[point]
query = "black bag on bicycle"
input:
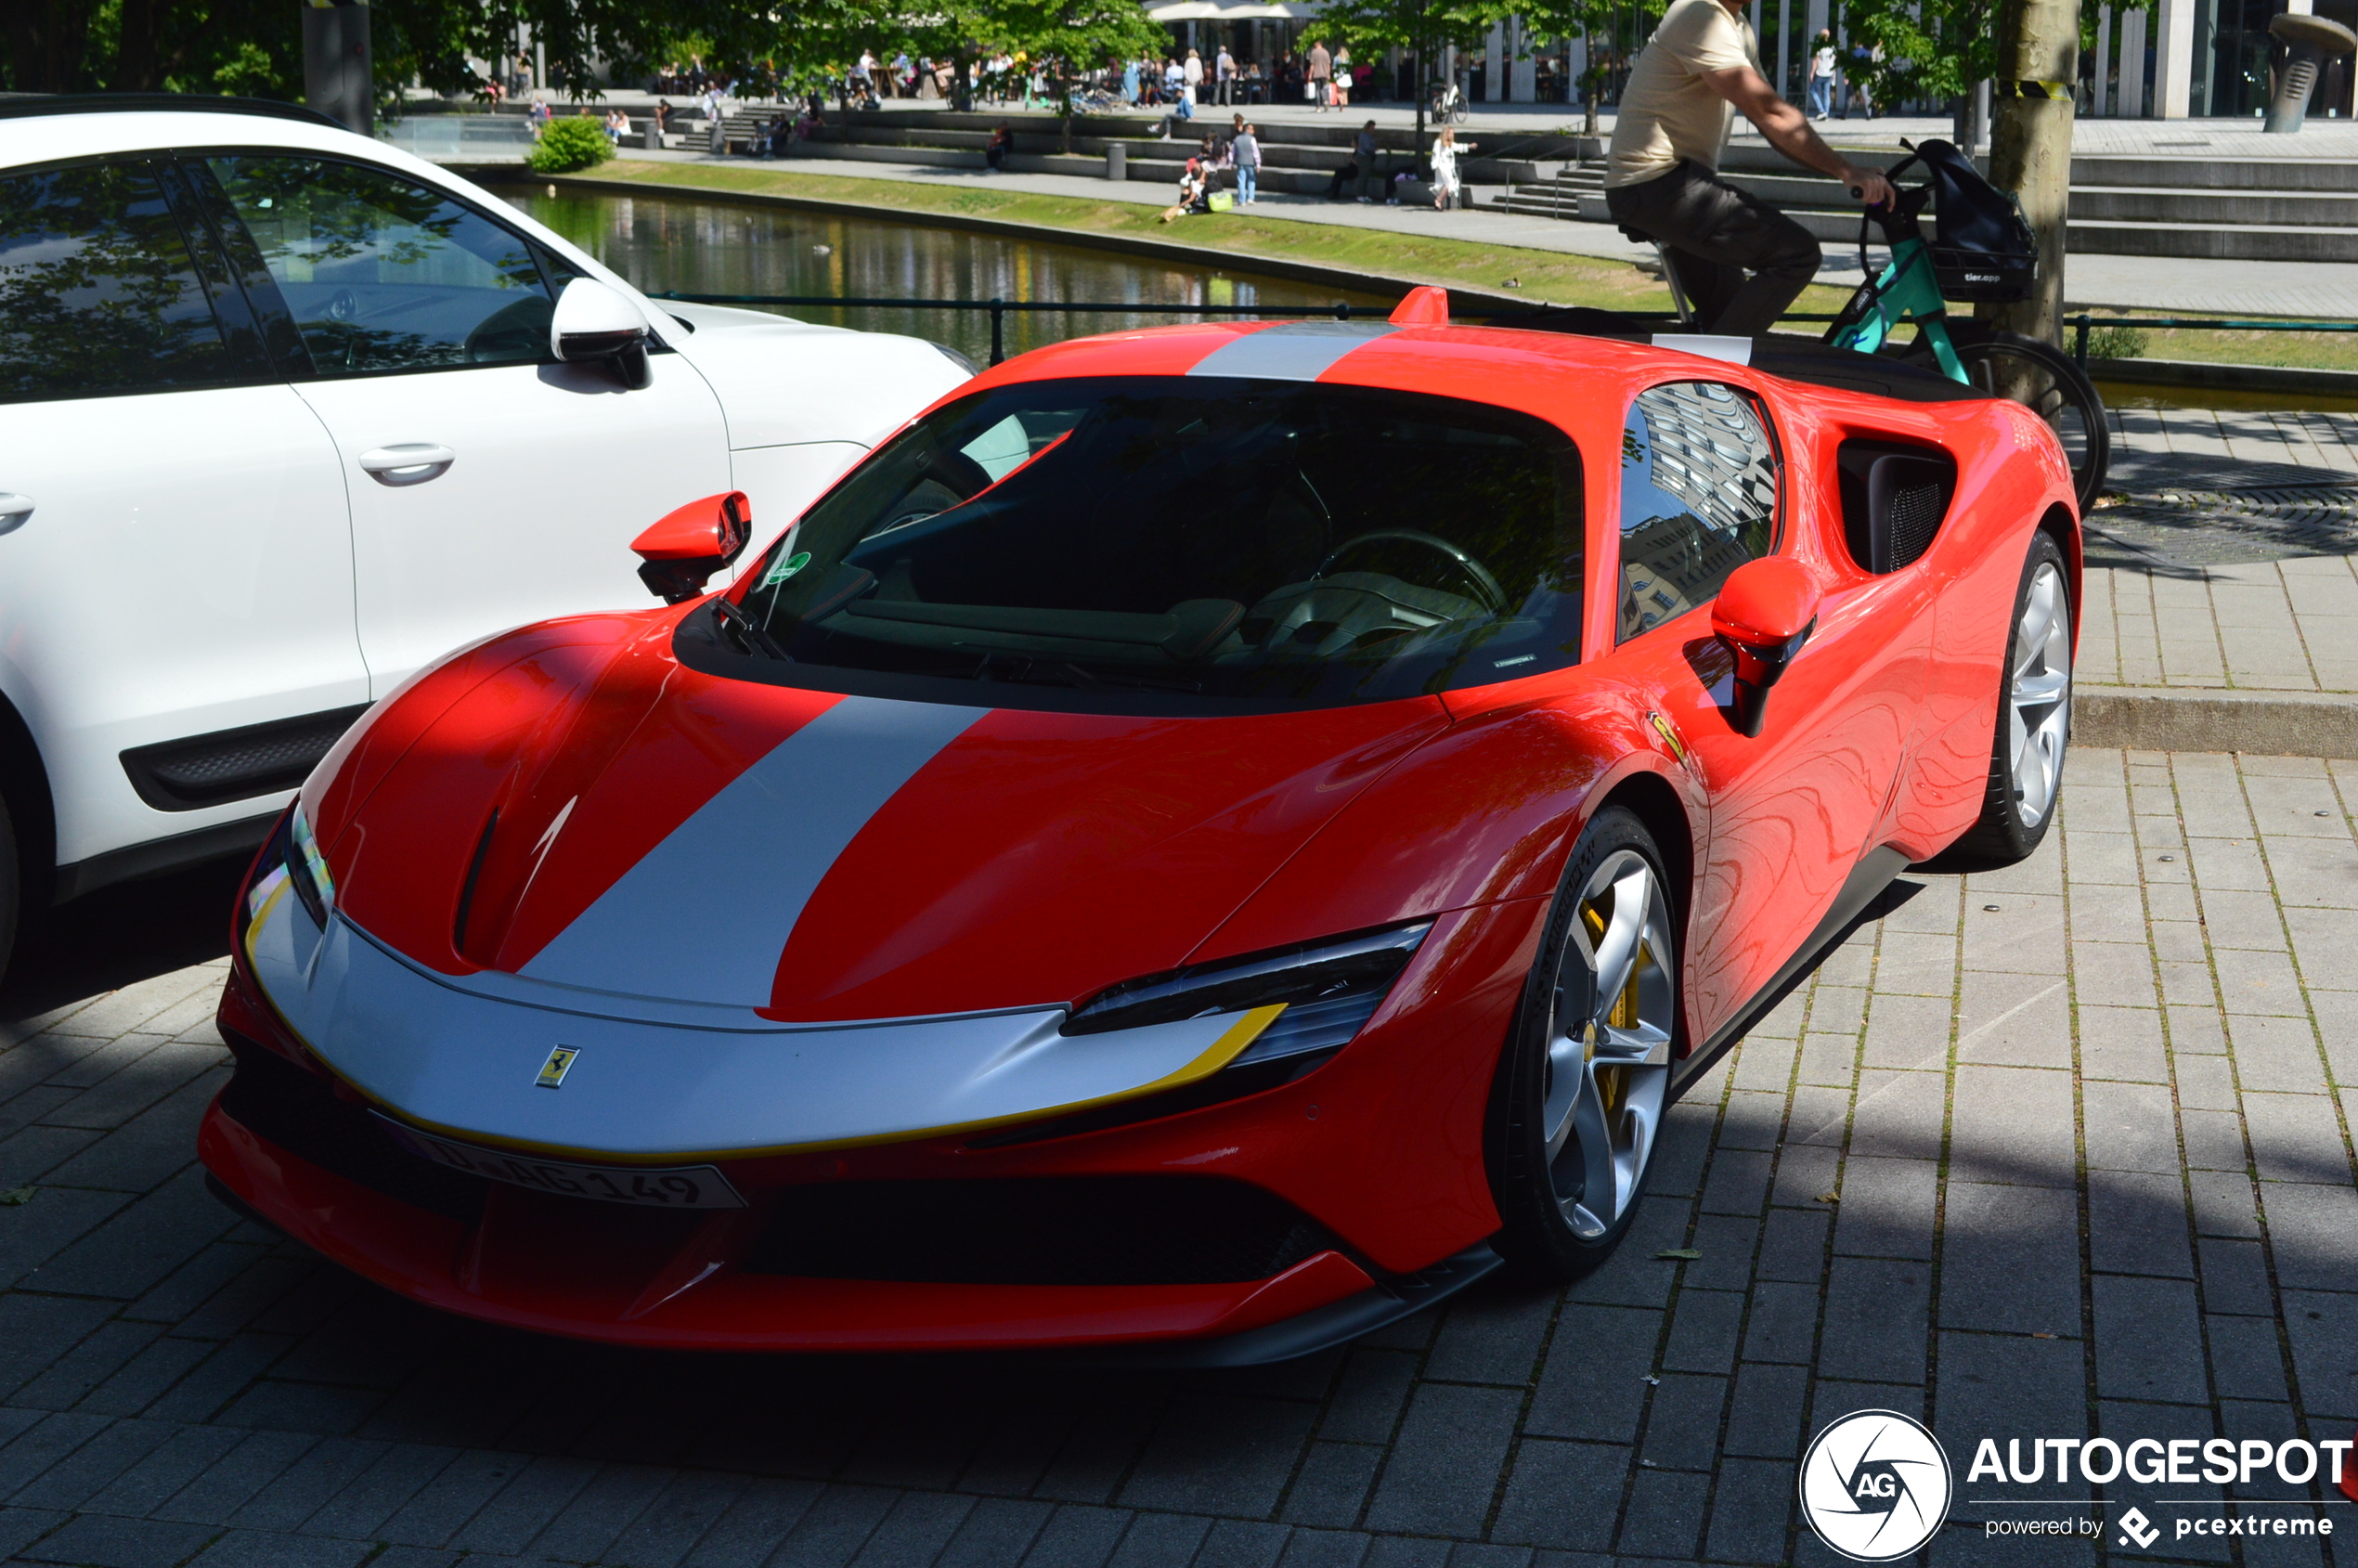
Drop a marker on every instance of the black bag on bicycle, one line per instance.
(1982, 251)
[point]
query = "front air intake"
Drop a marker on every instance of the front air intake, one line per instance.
(1054, 1230)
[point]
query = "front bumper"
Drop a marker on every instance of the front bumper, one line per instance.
(699, 1280)
(1376, 1155)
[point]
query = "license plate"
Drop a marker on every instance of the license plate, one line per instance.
(647, 1187)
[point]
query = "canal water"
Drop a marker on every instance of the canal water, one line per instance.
(668, 243)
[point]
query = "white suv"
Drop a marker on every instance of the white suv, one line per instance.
(284, 414)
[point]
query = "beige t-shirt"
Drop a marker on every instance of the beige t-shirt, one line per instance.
(1668, 111)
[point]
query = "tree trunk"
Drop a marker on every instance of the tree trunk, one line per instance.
(46, 41)
(2030, 146)
(1588, 87)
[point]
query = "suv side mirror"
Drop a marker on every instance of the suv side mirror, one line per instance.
(592, 321)
(690, 544)
(1765, 612)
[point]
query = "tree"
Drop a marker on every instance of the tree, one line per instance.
(1065, 39)
(256, 45)
(1423, 27)
(1582, 20)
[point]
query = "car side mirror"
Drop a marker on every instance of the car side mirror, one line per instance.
(1765, 612)
(593, 321)
(683, 551)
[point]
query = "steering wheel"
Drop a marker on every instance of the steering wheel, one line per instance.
(1494, 597)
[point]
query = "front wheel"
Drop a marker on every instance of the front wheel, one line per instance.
(2044, 379)
(1581, 1090)
(11, 886)
(2034, 716)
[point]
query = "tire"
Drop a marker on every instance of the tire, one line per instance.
(11, 888)
(2044, 379)
(1583, 1081)
(2034, 716)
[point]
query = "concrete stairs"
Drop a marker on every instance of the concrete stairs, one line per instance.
(2226, 209)
(1300, 160)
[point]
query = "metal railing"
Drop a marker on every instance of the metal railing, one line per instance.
(1339, 311)
(2081, 324)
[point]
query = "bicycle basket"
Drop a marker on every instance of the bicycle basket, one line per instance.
(1982, 251)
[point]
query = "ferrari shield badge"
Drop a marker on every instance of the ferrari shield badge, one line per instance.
(554, 1070)
(1670, 737)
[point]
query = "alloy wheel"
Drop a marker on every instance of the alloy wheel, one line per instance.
(2039, 694)
(1609, 1043)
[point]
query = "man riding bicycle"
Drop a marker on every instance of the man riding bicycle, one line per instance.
(1662, 180)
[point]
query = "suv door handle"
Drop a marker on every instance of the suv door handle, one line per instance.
(14, 510)
(412, 462)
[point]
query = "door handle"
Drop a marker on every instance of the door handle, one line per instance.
(14, 510)
(412, 462)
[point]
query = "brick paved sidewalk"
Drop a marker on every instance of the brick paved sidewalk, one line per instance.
(2040, 1153)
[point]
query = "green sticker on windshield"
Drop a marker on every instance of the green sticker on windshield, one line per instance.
(785, 568)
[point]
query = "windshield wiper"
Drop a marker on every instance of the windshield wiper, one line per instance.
(747, 634)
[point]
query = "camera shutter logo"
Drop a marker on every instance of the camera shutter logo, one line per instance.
(1875, 1486)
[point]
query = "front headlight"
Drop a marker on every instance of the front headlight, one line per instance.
(1329, 990)
(292, 856)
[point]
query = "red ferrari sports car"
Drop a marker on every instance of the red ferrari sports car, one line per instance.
(1204, 842)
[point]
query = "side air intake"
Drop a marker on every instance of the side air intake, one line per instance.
(1894, 499)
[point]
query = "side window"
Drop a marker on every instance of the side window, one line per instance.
(1698, 498)
(382, 274)
(97, 291)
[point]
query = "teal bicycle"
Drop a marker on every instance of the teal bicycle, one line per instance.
(1981, 252)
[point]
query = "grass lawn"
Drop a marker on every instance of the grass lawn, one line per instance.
(2318, 351)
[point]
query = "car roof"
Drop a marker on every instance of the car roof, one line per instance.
(20, 106)
(1498, 364)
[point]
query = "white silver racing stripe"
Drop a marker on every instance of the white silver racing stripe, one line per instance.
(1291, 351)
(704, 914)
(461, 1063)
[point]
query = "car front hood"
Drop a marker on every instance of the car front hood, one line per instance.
(618, 824)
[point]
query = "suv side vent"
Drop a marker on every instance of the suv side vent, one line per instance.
(1894, 499)
(235, 764)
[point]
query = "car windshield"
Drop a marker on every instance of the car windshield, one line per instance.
(1284, 543)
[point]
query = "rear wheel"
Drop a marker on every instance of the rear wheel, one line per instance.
(1583, 1083)
(2034, 715)
(2044, 379)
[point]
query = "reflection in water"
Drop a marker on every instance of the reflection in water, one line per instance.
(696, 247)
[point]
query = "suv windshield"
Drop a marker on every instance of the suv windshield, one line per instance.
(1208, 539)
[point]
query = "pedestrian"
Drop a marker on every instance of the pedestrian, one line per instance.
(1191, 78)
(1863, 60)
(1175, 88)
(1445, 148)
(1322, 75)
(1662, 179)
(1130, 83)
(1822, 75)
(1225, 78)
(1363, 152)
(1342, 77)
(1002, 141)
(1246, 152)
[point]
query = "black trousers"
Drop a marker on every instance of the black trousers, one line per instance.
(1711, 235)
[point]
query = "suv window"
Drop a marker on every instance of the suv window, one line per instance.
(1204, 540)
(96, 292)
(381, 275)
(1698, 498)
